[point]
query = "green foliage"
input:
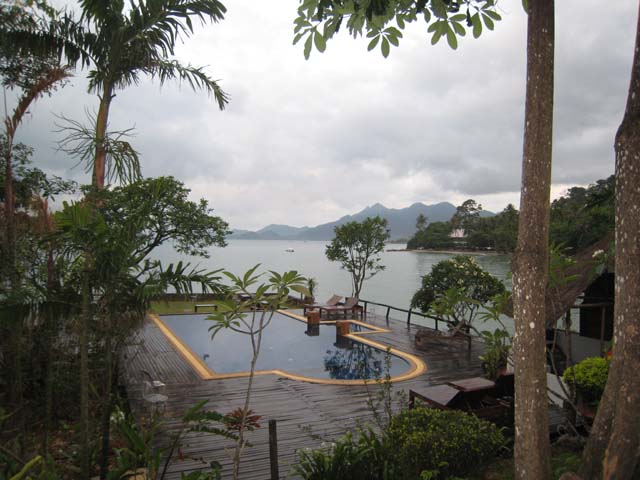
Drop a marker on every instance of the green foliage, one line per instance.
(419, 443)
(588, 378)
(496, 353)
(29, 181)
(363, 456)
(356, 246)
(584, 215)
(435, 235)
(447, 441)
(248, 309)
(140, 449)
(498, 232)
(466, 215)
(383, 21)
(456, 288)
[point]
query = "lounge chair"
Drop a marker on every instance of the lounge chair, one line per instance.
(350, 304)
(332, 302)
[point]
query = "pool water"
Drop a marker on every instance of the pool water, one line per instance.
(288, 345)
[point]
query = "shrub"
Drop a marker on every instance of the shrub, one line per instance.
(362, 457)
(588, 378)
(444, 441)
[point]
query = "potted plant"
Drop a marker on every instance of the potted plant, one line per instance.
(497, 347)
(312, 285)
(586, 381)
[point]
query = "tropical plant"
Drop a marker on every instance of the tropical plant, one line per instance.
(140, 449)
(119, 43)
(457, 289)
(588, 379)
(356, 246)
(248, 309)
(122, 280)
(496, 352)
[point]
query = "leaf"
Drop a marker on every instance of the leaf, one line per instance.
(373, 43)
(320, 42)
(393, 40)
(394, 32)
(493, 14)
(487, 21)
(297, 38)
(307, 47)
(400, 22)
(385, 48)
(459, 29)
(477, 25)
(436, 36)
(439, 8)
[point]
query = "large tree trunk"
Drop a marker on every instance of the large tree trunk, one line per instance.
(530, 266)
(614, 442)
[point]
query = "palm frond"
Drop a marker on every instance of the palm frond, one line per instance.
(194, 76)
(161, 22)
(123, 162)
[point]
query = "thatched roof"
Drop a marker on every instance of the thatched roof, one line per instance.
(583, 271)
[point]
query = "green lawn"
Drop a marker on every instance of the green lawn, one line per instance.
(178, 306)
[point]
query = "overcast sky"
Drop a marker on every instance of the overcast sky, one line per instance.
(305, 142)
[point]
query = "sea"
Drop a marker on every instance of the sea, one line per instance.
(394, 286)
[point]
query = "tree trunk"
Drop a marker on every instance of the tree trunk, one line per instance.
(102, 120)
(106, 406)
(530, 268)
(83, 345)
(614, 442)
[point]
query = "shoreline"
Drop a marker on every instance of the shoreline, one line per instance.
(448, 252)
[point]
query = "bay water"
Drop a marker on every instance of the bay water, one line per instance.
(395, 285)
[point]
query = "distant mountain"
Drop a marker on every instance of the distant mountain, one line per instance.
(402, 223)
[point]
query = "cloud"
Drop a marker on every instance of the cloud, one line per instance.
(305, 142)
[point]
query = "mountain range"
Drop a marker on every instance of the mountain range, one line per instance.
(402, 223)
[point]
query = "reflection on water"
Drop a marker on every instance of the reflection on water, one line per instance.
(356, 361)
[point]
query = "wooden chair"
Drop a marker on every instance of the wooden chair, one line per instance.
(350, 304)
(332, 302)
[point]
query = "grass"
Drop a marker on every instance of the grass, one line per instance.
(178, 306)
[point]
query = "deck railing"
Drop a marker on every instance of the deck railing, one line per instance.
(409, 313)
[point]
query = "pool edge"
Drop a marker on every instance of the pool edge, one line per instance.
(416, 365)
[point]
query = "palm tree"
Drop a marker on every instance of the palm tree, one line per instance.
(123, 45)
(118, 46)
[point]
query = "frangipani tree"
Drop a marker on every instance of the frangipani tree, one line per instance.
(248, 310)
(457, 289)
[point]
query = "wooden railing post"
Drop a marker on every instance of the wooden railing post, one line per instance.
(409, 318)
(273, 450)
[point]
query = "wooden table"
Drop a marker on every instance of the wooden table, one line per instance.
(474, 384)
(439, 396)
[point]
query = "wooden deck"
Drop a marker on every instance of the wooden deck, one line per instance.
(306, 413)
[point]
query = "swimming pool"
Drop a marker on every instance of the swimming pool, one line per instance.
(289, 348)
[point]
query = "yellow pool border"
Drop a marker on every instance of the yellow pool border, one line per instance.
(416, 365)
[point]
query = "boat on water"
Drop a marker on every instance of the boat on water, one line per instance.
(290, 250)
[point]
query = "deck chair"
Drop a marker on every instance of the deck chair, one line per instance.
(349, 305)
(332, 302)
